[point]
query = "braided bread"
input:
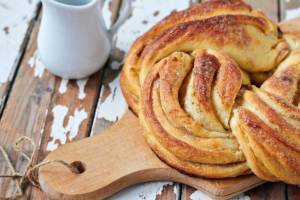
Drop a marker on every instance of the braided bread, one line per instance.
(190, 79)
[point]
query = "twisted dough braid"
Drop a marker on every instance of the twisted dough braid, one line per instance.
(189, 79)
(228, 26)
(179, 116)
(267, 124)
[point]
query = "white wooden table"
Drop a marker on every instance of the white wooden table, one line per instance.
(53, 111)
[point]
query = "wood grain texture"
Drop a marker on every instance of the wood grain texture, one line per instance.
(170, 192)
(187, 191)
(25, 111)
(76, 121)
(293, 192)
(77, 101)
(274, 191)
(32, 96)
(17, 19)
(268, 191)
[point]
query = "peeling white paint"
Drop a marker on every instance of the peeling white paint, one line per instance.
(81, 86)
(114, 105)
(144, 15)
(63, 86)
(75, 121)
(58, 132)
(292, 13)
(146, 191)
(57, 129)
(241, 197)
(176, 191)
(36, 63)
(115, 65)
(1, 101)
(15, 16)
(198, 195)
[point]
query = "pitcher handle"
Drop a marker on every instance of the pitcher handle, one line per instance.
(125, 11)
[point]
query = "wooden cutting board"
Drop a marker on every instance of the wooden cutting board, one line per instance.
(119, 157)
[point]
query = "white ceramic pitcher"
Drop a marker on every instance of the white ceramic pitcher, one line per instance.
(73, 41)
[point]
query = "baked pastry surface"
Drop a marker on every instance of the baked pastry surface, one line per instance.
(190, 79)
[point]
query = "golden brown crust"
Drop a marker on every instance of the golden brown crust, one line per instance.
(281, 161)
(284, 82)
(235, 35)
(185, 78)
(267, 125)
(205, 170)
(130, 81)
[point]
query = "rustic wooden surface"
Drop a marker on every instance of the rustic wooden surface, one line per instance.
(53, 112)
(17, 19)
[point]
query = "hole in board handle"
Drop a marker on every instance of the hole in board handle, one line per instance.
(79, 167)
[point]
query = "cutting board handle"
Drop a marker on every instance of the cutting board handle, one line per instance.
(109, 162)
(117, 158)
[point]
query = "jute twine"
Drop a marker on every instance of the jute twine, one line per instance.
(29, 175)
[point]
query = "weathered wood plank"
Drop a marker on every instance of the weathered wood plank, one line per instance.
(268, 191)
(149, 191)
(72, 108)
(293, 192)
(170, 192)
(112, 105)
(26, 109)
(271, 8)
(16, 22)
(41, 104)
(290, 9)
(69, 116)
(189, 193)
